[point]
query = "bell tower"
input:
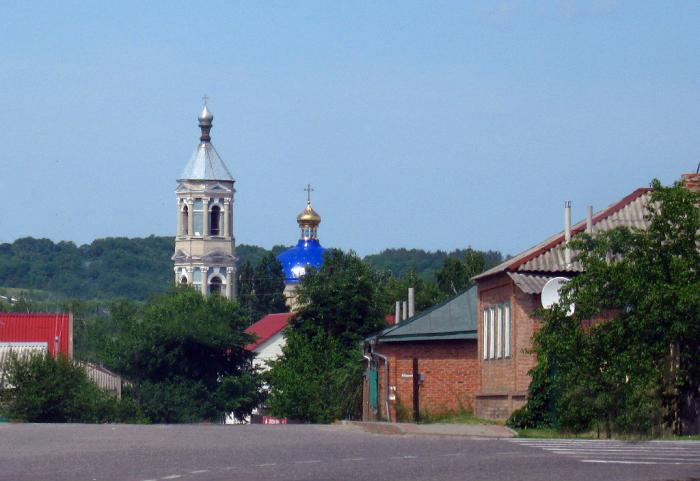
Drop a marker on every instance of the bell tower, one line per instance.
(205, 246)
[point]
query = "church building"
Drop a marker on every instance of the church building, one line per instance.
(307, 253)
(205, 250)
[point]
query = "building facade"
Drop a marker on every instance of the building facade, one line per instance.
(205, 247)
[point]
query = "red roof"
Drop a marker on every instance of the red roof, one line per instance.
(55, 329)
(267, 327)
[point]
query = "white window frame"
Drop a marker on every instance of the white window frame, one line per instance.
(486, 334)
(506, 331)
(492, 339)
(499, 331)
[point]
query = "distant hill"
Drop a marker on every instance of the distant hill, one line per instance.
(119, 267)
(426, 263)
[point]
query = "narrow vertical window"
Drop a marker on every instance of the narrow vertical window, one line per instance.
(499, 332)
(198, 212)
(506, 331)
(485, 347)
(492, 339)
(185, 223)
(214, 221)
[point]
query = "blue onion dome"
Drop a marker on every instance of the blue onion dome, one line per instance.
(308, 251)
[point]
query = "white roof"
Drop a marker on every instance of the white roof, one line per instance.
(205, 164)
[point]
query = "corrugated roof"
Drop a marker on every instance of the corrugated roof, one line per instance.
(37, 327)
(548, 256)
(529, 283)
(267, 327)
(22, 350)
(453, 319)
(205, 164)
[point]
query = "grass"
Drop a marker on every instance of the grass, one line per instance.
(454, 417)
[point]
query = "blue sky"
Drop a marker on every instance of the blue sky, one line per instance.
(420, 124)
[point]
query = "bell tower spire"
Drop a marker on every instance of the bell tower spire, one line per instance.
(205, 247)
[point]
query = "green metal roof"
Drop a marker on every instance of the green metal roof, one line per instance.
(453, 319)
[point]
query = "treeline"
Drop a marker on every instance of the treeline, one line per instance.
(120, 267)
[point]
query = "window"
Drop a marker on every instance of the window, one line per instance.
(486, 334)
(499, 332)
(496, 331)
(184, 222)
(215, 286)
(215, 221)
(183, 280)
(198, 212)
(492, 322)
(506, 331)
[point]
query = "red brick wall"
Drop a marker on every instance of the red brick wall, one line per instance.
(504, 381)
(450, 371)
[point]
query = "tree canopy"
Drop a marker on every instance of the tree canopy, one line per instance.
(629, 358)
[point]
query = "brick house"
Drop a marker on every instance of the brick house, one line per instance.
(510, 292)
(444, 341)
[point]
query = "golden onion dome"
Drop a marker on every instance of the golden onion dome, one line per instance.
(308, 216)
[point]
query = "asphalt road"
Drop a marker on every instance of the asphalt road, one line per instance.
(35, 452)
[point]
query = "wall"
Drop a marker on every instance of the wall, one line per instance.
(55, 329)
(504, 382)
(450, 371)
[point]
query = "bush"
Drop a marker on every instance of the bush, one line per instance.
(49, 390)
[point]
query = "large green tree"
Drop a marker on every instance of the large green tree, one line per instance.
(319, 376)
(639, 370)
(186, 357)
(456, 272)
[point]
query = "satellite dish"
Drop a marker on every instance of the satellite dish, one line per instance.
(550, 293)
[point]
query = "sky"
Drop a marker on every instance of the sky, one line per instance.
(434, 125)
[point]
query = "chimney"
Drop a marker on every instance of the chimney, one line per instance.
(589, 220)
(404, 310)
(397, 314)
(411, 301)
(691, 181)
(567, 232)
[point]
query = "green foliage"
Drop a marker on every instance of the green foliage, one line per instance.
(186, 357)
(261, 289)
(426, 292)
(52, 390)
(316, 380)
(425, 263)
(639, 371)
(319, 376)
(344, 299)
(456, 273)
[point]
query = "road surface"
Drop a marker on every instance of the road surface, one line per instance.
(36, 452)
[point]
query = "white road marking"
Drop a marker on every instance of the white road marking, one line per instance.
(172, 476)
(403, 457)
(451, 454)
(353, 459)
(266, 464)
(313, 461)
(199, 471)
(622, 461)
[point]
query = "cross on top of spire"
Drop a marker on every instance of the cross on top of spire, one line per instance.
(205, 97)
(308, 191)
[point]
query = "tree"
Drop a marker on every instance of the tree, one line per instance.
(344, 299)
(268, 284)
(456, 274)
(319, 376)
(48, 390)
(186, 358)
(638, 370)
(426, 292)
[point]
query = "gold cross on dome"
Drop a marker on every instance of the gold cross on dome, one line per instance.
(308, 191)
(205, 98)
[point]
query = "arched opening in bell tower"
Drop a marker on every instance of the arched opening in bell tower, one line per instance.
(215, 286)
(215, 221)
(185, 221)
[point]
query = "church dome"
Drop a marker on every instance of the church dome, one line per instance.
(308, 217)
(308, 253)
(205, 116)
